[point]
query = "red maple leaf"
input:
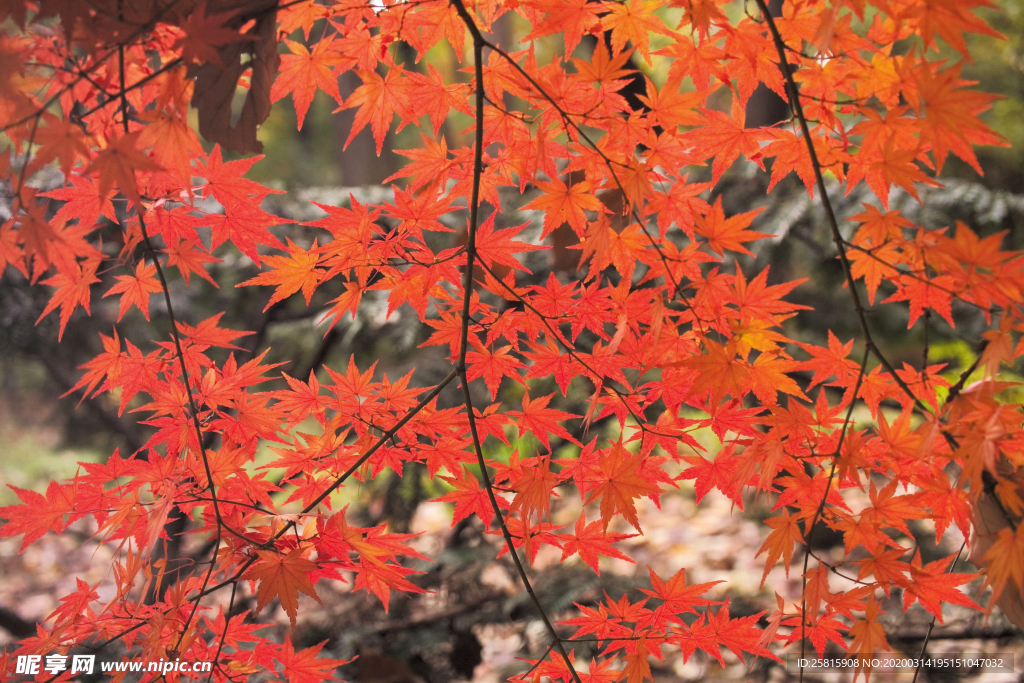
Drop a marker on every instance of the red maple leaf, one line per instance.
(135, 289)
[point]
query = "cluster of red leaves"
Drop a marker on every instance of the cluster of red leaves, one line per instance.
(660, 325)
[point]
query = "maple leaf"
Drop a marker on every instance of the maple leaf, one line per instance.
(563, 203)
(430, 165)
(74, 604)
(678, 597)
(933, 293)
(950, 116)
(173, 141)
(632, 21)
(638, 669)
(470, 498)
(931, 584)
(224, 181)
(542, 421)
(533, 486)
(432, 94)
(719, 371)
(117, 165)
(304, 666)
(61, 139)
(378, 99)
(719, 473)
(670, 108)
(819, 630)
(874, 265)
(592, 540)
(135, 289)
(724, 137)
(1003, 562)
(305, 71)
(604, 246)
(868, 634)
(209, 333)
(235, 629)
(204, 33)
(618, 482)
(830, 362)
(302, 400)
(575, 18)
(246, 226)
(727, 233)
(82, 201)
(72, 291)
(497, 246)
(37, 515)
(885, 167)
(188, 258)
(290, 273)
(785, 534)
(282, 576)
(768, 376)
(492, 365)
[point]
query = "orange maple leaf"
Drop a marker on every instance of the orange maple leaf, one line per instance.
(780, 542)
(932, 585)
(619, 482)
(172, 139)
(72, 285)
(117, 165)
(727, 233)
(63, 140)
(378, 98)
(724, 137)
(135, 289)
(633, 21)
(290, 273)
(37, 515)
(575, 18)
(204, 33)
(303, 72)
(282, 576)
(719, 370)
(563, 203)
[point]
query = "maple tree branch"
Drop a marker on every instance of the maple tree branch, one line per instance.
(134, 86)
(641, 423)
(928, 633)
(964, 634)
(471, 255)
(387, 436)
(914, 276)
(677, 288)
(224, 635)
(428, 619)
(144, 28)
(955, 390)
(208, 590)
(178, 351)
(826, 203)
(821, 508)
(837, 238)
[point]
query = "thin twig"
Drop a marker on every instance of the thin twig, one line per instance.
(474, 208)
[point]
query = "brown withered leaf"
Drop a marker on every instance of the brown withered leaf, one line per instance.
(216, 85)
(988, 519)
